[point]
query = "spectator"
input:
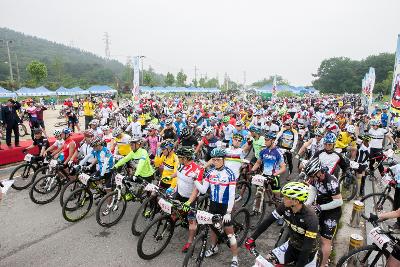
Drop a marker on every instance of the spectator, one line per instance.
(72, 120)
(11, 120)
(39, 111)
(88, 111)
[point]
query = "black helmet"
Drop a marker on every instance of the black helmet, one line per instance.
(37, 130)
(185, 151)
(185, 133)
(312, 167)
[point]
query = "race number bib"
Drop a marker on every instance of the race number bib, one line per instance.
(28, 157)
(204, 217)
(151, 187)
(118, 179)
(258, 180)
(84, 178)
(165, 205)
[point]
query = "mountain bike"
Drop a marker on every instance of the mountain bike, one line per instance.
(79, 202)
(23, 175)
(195, 256)
(262, 197)
(126, 190)
(348, 183)
(375, 254)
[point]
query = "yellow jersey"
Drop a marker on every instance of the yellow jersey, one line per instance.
(88, 108)
(345, 140)
(170, 165)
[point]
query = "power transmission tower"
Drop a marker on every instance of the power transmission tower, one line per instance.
(107, 43)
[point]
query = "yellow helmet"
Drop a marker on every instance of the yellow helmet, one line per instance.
(296, 190)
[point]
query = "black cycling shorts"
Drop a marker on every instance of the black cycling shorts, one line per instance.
(108, 181)
(328, 223)
(191, 214)
(396, 251)
(361, 169)
(218, 208)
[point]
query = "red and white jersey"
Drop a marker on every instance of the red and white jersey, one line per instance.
(186, 175)
(332, 127)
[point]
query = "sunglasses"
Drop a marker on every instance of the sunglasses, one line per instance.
(217, 159)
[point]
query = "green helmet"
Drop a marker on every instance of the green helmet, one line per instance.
(295, 190)
(218, 153)
(226, 119)
(185, 151)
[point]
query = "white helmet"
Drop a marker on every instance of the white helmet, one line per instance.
(208, 130)
(351, 129)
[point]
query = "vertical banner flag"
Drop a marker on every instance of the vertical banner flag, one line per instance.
(371, 84)
(274, 87)
(136, 78)
(395, 93)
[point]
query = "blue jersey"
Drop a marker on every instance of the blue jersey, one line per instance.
(219, 181)
(271, 159)
(105, 160)
(179, 126)
(243, 133)
(384, 119)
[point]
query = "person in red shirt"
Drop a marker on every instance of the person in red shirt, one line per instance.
(69, 148)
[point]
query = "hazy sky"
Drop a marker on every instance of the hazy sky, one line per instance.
(286, 37)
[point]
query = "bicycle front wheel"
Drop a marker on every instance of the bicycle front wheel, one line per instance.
(379, 201)
(144, 215)
(68, 188)
(156, 237)
(365, 256)
(241, 224)
(349, 188)
(77, 205)
(110, 209)
(195, 255)
(243, 193)
(45, 189)
(22, 176)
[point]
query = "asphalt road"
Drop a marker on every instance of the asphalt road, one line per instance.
(34, 235)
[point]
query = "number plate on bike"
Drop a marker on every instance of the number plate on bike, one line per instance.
(150, 187)
(378, 238)
(165, 205)
(204, 217)
(84, 178)
(28, 157)
(258, 180)
(53, 163)
(354, 165)
(261, 262)
(118, 179)
(387, 179)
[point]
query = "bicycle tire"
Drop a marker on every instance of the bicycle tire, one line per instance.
(87, 196)
(245, 192)
(367, 249)
(239, 227)
(195, 244)
(103, 200)
(28, 167)
(40, 171)
(203, 202)
(22, 130)
(353, 189)
(56, 186)
(75, 185)
(379, 205)
(140, 212)
(169, 226)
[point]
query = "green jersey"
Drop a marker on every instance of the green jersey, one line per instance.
(142, 162)
(258, 145)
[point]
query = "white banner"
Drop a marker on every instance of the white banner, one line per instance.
(136, 78)
(274, 87)
(371, 84)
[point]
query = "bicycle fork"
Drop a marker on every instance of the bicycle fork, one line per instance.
(259, 198)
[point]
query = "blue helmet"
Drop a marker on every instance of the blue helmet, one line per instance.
(330, 138)
(167, 144)
(218, 153)
(270, 135)
(255, 129)
(67, 130)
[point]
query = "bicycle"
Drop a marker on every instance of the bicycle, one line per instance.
(348, 183)
(243, 187)
(29, 167)
(195, 255)
(375, 254)
(262, 197)
(126, 190)
(81, 200)
(382, 201)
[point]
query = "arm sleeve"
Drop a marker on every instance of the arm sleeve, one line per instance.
(311, 196)
(335, 203)
(85, 159)
(202, 187)
(129, 127)
(141, 164)
(107, 163)
(124, 160)
(158, 160)
(231, 202)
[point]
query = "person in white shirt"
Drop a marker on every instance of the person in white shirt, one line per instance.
(227, 129)
(269, 126)
(134, 127)
(105, 115)
(377, 135)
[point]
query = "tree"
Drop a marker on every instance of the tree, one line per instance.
(194, 82)
(181, 79)
(37, 70)
(279, 81)
(212, 83)
(202, 82)
(127, 75)
(169, 79)
(386, 85)
(58, 68)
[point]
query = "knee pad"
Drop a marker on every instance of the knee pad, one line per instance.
(232, 239)
(272, 258)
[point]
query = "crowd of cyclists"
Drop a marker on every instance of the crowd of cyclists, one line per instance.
(196, 145)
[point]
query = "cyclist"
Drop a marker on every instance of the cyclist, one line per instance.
(209, 140)
(169, 131)
(187, 138)
(312, 146)
(273, 165)
(394, 258)
(134, 127)
(56, 147)
(345, 139)
(107, 136)
(94, 125)
(222, 183)
(233, 155)
(179, 124)
(140, 159)
(227, 129)
(287, 139)
(303, 225)
(361, 157)
(188, 172)
(70, 147)
(269, 126)
(324, 189)
(240, 130)
(120, 144)
(85, 149)
(40, 141)
(167, 162)
(255, 141)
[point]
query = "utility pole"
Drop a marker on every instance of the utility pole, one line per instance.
(107, 43)
(18, 77)
(9, 58)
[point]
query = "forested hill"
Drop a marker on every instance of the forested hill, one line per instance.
(66, 66)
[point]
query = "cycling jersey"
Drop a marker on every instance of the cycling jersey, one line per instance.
(135, 128)
(303, 227)
(363, 155)
(66, 145)
(344, 140)
(271, 159)
(186, 175)
(169, 134)
(332, 127)
(331, 160)
(210, 144)
(123, 146)
(191, 141)
(233, 160)
(258, 145)
(105, 160)
(59, 143)
(41, 142)
(271, 128)
(179, 126)
(287, 138)
(316, 146)
(228, 131)
(377, 137)
(222, 185)
(326, 189)
(85, 150)
(169, 164)
(142, 161)
(243, 133)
